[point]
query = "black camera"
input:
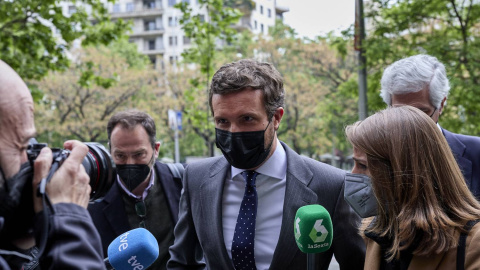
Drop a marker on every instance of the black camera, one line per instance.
(18, 218)
(98, 165)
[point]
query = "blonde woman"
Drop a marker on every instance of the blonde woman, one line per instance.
(423, 204)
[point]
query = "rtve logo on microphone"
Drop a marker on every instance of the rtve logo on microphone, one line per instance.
(136, 265)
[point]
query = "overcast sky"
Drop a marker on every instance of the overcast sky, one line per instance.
(314, 17)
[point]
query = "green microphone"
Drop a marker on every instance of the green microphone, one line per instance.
(313, 229)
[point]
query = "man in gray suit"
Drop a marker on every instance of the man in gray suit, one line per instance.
(237, 211)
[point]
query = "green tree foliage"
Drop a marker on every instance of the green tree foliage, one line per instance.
(209, 34)
(35, 35)
(318, 82)
(173, 84)
(448, 30)
(72, 110)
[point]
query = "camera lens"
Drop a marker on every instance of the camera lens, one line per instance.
(101, 169)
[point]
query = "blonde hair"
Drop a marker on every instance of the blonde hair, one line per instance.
(416, 180)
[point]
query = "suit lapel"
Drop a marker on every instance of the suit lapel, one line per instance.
(458, 150)
(114, 211)
(297, 194)
(211, 208)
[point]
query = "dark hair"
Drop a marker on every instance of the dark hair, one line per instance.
(249, 73)
(129, 119)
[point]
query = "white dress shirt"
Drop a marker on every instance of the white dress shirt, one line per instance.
(271, 183)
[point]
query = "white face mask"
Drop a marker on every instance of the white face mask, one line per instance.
(359, 194)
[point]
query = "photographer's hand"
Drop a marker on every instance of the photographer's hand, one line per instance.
(70, 183)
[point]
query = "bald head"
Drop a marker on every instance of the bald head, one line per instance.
(16, 120)
(11, 85)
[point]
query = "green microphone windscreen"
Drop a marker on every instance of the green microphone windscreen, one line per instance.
(313, 229)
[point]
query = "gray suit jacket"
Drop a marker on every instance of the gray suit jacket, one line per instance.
(199, 232)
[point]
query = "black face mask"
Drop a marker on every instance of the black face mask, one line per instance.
(133, 174)
(243, 150)
(16, 204)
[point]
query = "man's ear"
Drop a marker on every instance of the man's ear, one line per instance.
(277, 117)
(441, 105)
(157, 149)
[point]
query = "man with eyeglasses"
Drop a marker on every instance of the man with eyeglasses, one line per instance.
(146, 193)
(421, 81)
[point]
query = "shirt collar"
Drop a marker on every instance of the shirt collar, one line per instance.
(145, 192)
(274, 167)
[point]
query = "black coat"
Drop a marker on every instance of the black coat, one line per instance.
(109, 215)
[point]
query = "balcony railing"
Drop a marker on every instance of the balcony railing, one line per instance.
(137, 10)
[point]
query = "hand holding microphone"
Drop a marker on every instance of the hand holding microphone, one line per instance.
(136, 249)
(313, 231)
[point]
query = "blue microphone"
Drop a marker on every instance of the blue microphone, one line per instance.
(136, 249)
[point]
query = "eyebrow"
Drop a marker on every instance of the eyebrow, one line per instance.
(116, 151)
(359, 160)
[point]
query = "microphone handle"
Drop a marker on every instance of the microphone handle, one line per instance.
(108, 266)
(311, 261)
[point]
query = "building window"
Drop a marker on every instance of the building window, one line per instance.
(72, 9)
(151, 45)
(173, 59)
(186, 1)
(153, 60)
(130, 7)
(150, 25)
(116, 8)
(172, 41)
(149, 4)
(261, 9)
(255, 25)
(172, 21)
(269, 13)
(186, 40)
(171, 3)
(261, 28)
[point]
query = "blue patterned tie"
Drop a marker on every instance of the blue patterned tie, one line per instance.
(243, 244)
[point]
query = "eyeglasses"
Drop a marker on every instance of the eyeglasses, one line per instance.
(141, 211)
(433, 112)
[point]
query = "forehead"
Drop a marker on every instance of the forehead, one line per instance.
(17, 115)
(359, 154)
(238, 103)
(123, 137)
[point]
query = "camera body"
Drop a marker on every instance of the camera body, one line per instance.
(98, 164)
(17, 207)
